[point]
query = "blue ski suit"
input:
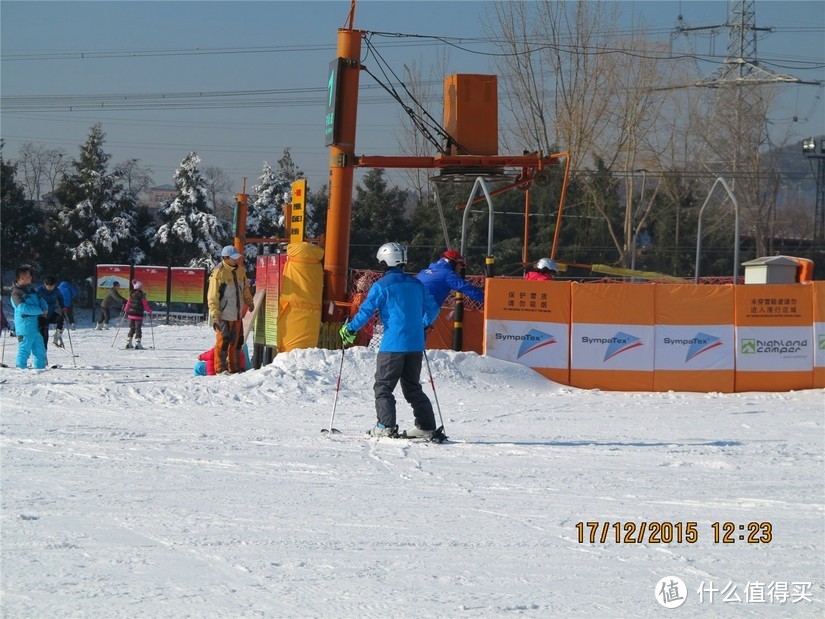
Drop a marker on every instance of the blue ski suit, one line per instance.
(440, 279)
(28, 307)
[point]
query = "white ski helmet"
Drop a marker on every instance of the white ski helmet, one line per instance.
(392, 254)
(545, 264)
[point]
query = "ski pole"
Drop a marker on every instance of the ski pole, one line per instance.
(119, 323)
(152, 329)
(331, 430)
(71, 347)
(3, 357)
(435, 395)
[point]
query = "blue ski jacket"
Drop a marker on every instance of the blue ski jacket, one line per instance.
(52, 297)
(28, 306)
(68, 291)
(440, 279)
(406, 309)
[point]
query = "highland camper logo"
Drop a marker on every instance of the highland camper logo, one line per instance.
(821, 342)
(753, 346)
(532, 340)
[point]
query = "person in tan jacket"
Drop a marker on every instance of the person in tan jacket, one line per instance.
(228, 293)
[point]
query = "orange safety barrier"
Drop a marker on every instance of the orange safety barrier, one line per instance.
(695, 340)
(612, 337)
(774, 337)
(819, 334)
(529, 322)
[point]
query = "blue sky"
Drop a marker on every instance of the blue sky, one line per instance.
(140, 48)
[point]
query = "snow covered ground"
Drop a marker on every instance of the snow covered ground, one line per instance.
(131, 488)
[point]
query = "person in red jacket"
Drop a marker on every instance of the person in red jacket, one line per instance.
(545, 270)
(205, 366)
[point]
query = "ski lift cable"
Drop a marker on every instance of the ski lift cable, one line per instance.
(424, 124)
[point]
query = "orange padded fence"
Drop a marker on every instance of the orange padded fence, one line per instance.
(661, 337)
(612, 336)
(819, 334)
(694, 338)
(774, 337)
(529, 322)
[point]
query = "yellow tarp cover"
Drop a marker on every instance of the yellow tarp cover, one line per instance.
(302, 289)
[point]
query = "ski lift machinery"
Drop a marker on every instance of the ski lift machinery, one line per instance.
(470, 132)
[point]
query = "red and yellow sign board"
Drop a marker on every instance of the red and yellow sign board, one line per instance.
(612, 339)
(819, 334)
(155, 282)
(774, 337)
(298, 212)
(274, 267)
(528, 322)
(107, 274)
(695, 340)
(187, 285)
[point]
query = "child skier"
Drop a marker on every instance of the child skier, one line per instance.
(136, 307)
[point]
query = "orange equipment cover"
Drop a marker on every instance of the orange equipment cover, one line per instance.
(612, 336)
(302, 287)
(695, 340)
(774, 337)
(471, 113)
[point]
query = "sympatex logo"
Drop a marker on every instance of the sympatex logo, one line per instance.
(617, 344)
(530, 341)
(699, 343)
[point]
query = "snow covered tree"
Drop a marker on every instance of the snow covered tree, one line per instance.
(265, 217)
(190, 234)
(95, 220)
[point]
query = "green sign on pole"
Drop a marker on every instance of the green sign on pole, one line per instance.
(333, 93)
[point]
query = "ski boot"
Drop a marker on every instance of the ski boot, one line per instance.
(99, 326)
(137, 344)
(129, 344)
(57, 340)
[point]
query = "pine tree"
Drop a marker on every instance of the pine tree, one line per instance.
(21, 232)
(96, 216)
(378, 217)
(265, 217)
(190, 234)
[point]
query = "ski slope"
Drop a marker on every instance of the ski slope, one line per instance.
(132, 489)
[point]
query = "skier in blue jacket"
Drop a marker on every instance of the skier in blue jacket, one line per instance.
(69, 293)
(54, 314)
(28, 307)
(441, 279)
(406, 309)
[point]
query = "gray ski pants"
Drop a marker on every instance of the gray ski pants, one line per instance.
(406, 367)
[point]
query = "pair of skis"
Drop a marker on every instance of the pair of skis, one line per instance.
(438, 436)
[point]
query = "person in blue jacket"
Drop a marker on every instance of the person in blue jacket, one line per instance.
(54, 314)
(69, 293)
(28, 307)
(407, 309)
(441, 279)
